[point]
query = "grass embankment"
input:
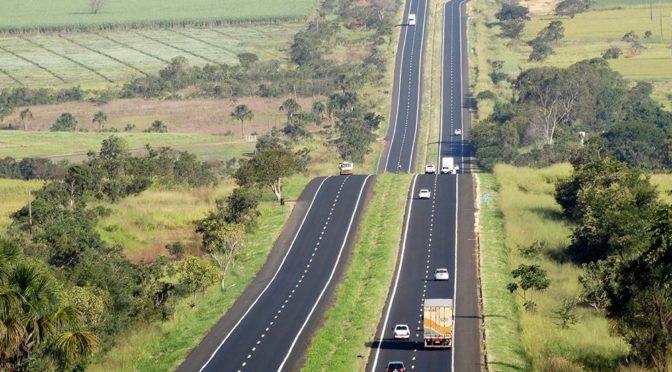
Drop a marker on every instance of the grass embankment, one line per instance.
(111, 57)
(587, 35)
(529, 213)
(352, 320)
(74, 145)
(430, 119)
(67, 14)
(161, 346)
(504, 346)
(13, 196)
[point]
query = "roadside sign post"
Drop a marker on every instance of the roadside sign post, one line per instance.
(486, 197)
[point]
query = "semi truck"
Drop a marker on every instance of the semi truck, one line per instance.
(448, 166)
(345, 168)
(437, 322)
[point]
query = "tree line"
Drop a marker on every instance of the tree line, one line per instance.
(555, 107)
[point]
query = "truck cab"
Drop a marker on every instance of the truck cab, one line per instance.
(345, 168)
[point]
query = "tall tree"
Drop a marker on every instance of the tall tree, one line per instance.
(64, 123)
(222, 241)
(268, 167)
(291, 108)
(26, 116)
(242, 113)
(100, 118)
(96, 5)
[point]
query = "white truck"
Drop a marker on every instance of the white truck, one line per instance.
(437, 322)
(345, 168)
(448, 166)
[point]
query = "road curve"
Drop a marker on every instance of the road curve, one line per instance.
(272, 327)
(399, 152)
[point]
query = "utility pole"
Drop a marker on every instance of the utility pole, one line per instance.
(30, 215)
(651, 9)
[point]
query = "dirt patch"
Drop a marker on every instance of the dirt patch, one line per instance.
(201, 116)
(540, 7)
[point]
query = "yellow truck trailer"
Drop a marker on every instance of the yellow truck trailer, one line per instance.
(437, 322)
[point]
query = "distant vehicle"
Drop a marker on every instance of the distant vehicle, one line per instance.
(437, 322)
(396, 366)
(448, 166)
(424, 194)
(411, 19)
(441, 274)
(402, 332)
(458, 132)
(429, 169)
(345, 168)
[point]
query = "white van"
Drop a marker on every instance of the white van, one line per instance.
(411, 19)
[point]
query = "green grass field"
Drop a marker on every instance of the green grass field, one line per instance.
(345, 335)
(530, 213)
(13, 196)
(161, 346)
(602, 4)
(501, 316)
(74, 145)
(94, 59)
(587, 35)
(34, 14)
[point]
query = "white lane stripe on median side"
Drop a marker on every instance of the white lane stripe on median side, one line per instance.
(331, 276)
(396, 280)
(418, 103)
(310, 207)
(401, 74)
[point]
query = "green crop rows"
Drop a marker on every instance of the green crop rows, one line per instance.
(94, 58)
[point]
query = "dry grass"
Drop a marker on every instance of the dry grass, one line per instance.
(201, 116)
(13, 196)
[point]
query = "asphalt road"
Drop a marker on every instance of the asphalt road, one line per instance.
(399, 153)
(439, 232)
(271, 331)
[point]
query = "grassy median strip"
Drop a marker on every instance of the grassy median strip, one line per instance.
(163, 346)
(350, 324)
(504, 345)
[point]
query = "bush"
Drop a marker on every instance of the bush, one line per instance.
(486, 94)
(157, 127)
(612, 53)
(64, 123)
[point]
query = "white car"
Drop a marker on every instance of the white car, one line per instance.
(402, 332)
(441, 274)
(411, 19)
(458, 132)
(429, 169)
(424, 194)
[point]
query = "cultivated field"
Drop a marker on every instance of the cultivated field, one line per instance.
(99, 58)
(74, 145)
(56, 14)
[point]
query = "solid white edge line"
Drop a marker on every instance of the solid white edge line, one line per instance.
(418, 104)
(457, 207)
(459, 17)
(331, 276)
(401, 73)
(272, 279)
(396, 280)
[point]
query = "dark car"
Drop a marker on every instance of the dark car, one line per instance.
(396, 366)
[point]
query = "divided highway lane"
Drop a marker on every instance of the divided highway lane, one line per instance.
(273, 332)
(407, 89)
(428, 242)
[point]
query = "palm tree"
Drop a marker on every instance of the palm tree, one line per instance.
(26, 116)
(100, 118)
(291, 107)
(242, 113)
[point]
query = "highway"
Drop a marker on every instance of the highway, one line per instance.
(398, 154)
(439, 232)
(271, 323)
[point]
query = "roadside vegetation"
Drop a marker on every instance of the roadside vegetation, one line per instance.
(346, 333)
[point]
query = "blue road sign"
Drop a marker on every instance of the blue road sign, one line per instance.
(486, 197)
